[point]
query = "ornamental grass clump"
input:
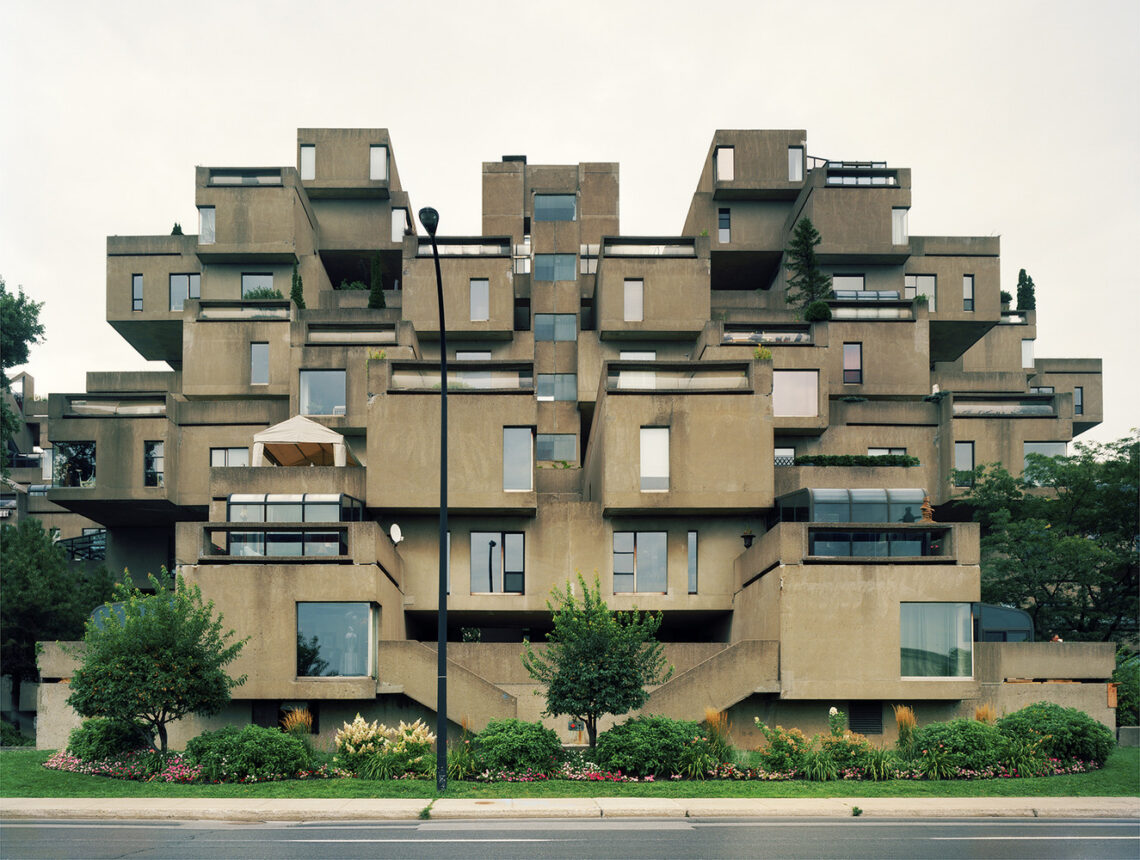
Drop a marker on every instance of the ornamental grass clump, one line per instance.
(357, 741)
(985, 713)
(376, 751)
(906, 722)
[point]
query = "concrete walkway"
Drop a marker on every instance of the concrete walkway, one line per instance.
(298, 810)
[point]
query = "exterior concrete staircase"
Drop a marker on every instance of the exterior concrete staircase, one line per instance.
(729, 676)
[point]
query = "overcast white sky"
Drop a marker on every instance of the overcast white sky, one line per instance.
(1018, 119)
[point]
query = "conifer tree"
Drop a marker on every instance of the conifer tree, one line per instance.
(807, 283)
(297, 291)
(376, 296)
(1026, 296)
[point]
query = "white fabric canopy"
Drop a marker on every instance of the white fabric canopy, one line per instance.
(300, 442)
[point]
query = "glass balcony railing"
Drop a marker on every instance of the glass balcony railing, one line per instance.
(860, 173)
(765, 336)
(1019, 407)
(277, 309)
(109, 406)
(494, 378)
(634, 376)
(460, 248)
(246, 176)
(878, 543)
(247, 541)
(680, 247)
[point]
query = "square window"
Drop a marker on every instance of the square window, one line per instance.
(308, 162)
(183, 287)
(154, 463)
(480, 300)
(555, 267)
(555, 447)
(136, 292)
(207, 225)
(335, 639)
(259, 364)
(922, 285)
(795, 393)
(634, 300)
(322, 392)
(557, 387)
(518, 459)
(555, 207)
(935, 640)
(256, 284)
(640, 562)
(555, 327)
(378, 163)
(654, 459)
(498, 562)
(724, 164)
(73, 464)
(852, 363)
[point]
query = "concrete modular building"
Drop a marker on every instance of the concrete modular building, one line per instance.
(642, 409)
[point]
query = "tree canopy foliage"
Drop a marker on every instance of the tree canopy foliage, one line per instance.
(20, 329)
(42, 598)
(597, 662)
(1060, 541)
(151, 659)
(1026, 292)
(807, 283)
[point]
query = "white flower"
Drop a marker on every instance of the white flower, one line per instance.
(833, 712)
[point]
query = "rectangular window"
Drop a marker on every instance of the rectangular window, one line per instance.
(724, 164)
(884, 452)
(183, 287)
(963, 464)
(472, 355)
(136, 292)
(900, 234)
(555, 327)
(1045, 449)
(335, 639)
(73, 464)
(1027, 352)
(784, 455)
(259, 364)
(795, 164)
(852, 363)
(557, 386)
(207, 225)
(967, 292)
(840, 283)
(922, 285)
(554, 447)
(322, 392)
(399, 224)
(257, 283)
(308, 162)
(498, 562)
(518, 459)
(555, 267)
(640, 562)
(692, 562)
(378, 163)
(480, 300)
(154, 464)
(795, 393)
(1078, 400)
(935, 640)
(1041, 389)
(724, 225)
(555, 207)
(654, 459)
(229, 456)
(634, 300)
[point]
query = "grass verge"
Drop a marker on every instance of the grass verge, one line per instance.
(22, 775)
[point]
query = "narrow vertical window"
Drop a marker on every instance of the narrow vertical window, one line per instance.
(259, 364)
(154, 463)
(518, 459)
(1079, 400)
(852, 363)
(724, 225)
(136, 292)
(967, 292)
(692, 562)
(899, 232)
(399, 224)
(206, 225)
(654, 459)
(795, 164)
(1027, 352)
(480, 300)
(634, 300)
(308, 162)
(724, 164)
(963, 464)
(378, 163)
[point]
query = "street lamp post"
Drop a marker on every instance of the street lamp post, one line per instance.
(430, 219)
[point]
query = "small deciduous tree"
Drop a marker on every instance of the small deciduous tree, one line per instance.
(807, 283)
(1026, 292)
(154, 658)
(597, 662)
(376, 284)
(297, 290)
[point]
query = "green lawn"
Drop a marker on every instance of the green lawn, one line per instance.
(21, 775)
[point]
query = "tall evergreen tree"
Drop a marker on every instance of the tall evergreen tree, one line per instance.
(297, 291)
(807, 283)
(376, 295)
(1026, 297)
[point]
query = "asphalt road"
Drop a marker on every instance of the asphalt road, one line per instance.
(575, 838)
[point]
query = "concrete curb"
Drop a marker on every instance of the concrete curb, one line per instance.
(405, 809)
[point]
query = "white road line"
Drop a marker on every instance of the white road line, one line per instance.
(1025, 838)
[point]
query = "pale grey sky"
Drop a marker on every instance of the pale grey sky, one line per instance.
(1017, 118)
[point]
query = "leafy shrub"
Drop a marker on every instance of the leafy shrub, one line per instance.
(697, 758)
(354, 286)
(514, 745)
(959, 743)
(784, 750)
(262, 293)
(1127, 678)
(1066, 733)
(856, 460)
(10, 736)
(98, 739)
(817, 312)
(849, 751)
(248, 754)
(762, 353)
(1023, 757)
(646, 745)
(818, 765)
(1006, 297)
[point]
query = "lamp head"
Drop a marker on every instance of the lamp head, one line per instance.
(430, 219)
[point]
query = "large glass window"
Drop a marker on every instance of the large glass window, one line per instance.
(900, 234)
(724, 225)
(259, 364)
(1045, 449)
(323, 392)
(935, 640)
(73, 464)
(136, 292)
(378, 163)
(852, 363)
(562, 327)
(154, 463)
(795, 164)
(335, 639)
(557, 386)
(183, 287)
(634, 300)
(1027, 352)
(654, 458)
(963, 464)
(640, 562)
(291, 507)
(724, 164)
(555, 447)
(1078, 400)
(967, 292)
(308, 161)
(229, 456)
(480, 300)
(498, 562)
(555, 207)
(692, 562)
(922, 285)
(255, 282)
(207, 225)
(518, 458)
(555, 267)
(795, 393)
